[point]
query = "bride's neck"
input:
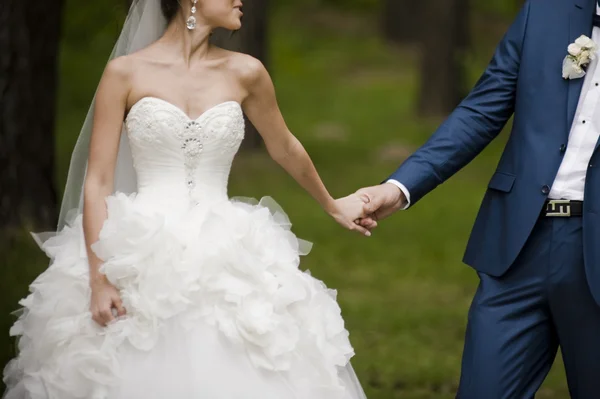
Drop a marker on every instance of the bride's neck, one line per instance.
(189, 44)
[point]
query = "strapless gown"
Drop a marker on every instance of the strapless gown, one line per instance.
(217, 307)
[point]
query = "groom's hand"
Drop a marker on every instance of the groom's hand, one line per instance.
(383, 200)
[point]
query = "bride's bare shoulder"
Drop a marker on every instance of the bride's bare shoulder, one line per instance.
(124, 65)
(137, 59)
(118, 71)
(247, 68)
(124, 68)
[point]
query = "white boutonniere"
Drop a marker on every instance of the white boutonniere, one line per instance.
(580, 54)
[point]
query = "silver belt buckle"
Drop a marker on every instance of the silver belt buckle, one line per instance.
(559, 208)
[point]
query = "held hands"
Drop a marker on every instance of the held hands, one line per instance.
(348, 210)
(361, 211)
(105, 297)
(383, 201)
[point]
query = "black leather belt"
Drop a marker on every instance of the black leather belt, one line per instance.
(562, 208)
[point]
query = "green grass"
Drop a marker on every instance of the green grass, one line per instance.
(349, 98)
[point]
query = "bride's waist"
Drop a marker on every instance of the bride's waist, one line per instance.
(177, 196)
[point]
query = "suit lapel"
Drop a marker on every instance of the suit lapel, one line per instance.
(580, 23)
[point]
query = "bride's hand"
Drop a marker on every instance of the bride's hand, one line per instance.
(105, 297)
(348, 210)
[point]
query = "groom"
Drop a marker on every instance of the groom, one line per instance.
(536, 241)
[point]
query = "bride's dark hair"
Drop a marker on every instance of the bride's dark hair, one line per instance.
(169, 8)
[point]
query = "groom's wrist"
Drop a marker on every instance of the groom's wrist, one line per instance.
(404, 194)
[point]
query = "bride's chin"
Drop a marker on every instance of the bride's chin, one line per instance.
(231, 26)
(236, 25)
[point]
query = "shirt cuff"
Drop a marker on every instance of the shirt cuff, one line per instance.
(404, 191)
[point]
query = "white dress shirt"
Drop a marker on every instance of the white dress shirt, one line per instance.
(584, 134)
(585, 131)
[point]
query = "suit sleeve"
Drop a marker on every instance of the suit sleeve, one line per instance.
(477, 120)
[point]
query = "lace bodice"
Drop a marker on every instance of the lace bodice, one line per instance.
(178, 156)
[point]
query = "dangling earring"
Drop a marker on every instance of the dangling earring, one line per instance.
(191, 21)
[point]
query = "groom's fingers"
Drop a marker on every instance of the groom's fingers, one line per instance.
(368, 223)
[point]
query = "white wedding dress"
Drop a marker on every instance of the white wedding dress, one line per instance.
(217, 307)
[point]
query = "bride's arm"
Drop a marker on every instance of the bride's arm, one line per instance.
(262, 109)
(109, 110)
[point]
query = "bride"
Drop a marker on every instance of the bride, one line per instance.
(160, 286)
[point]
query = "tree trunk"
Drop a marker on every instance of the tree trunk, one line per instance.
(445, 42)
(29, 39)
(401, 20)
(250, 39)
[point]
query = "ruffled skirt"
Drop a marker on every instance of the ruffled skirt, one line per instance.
(216, 308)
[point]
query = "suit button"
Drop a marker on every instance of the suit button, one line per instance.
(545, 190)
(563, 147)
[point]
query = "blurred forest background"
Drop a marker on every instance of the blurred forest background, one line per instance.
(362, 83)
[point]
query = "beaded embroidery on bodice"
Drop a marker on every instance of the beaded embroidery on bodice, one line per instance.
(171, 151)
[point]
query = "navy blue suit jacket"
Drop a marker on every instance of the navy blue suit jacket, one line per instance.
(524, 78)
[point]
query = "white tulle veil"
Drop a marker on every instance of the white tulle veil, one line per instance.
(145, 24)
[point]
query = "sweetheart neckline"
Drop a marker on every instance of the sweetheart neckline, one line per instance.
(181, 111)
